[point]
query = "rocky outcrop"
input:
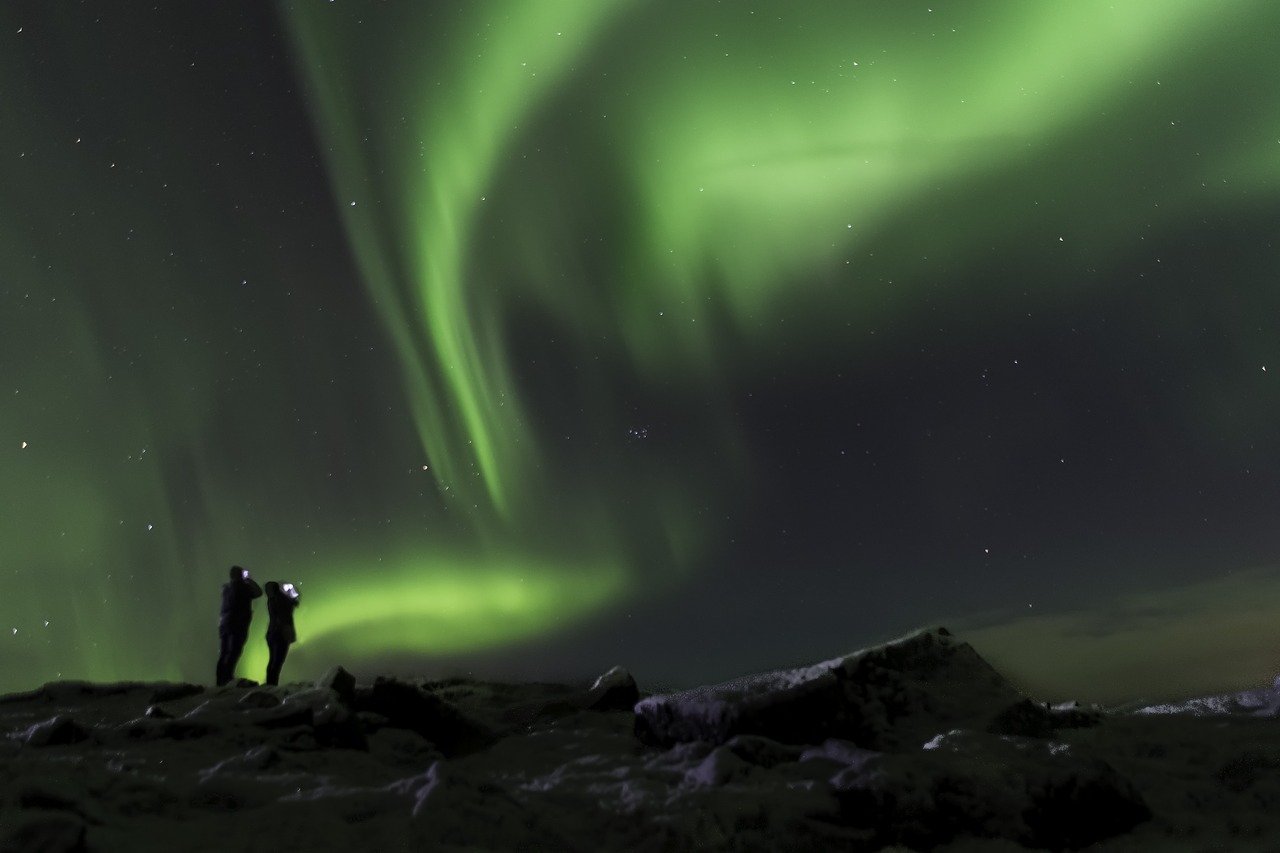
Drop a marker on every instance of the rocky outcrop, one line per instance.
(919, 740)
(915, 745)
(985, 786)
(884, 698)
(616, 690)
(404, 705)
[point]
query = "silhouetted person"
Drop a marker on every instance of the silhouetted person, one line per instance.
(281, 601)
(233, 625)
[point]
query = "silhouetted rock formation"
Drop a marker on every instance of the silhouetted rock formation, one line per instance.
(914, 744)
(901, 733)
(879, 698)
(410, 707)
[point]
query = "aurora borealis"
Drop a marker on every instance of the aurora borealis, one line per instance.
(698, 337)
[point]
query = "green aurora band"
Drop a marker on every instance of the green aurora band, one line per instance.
(650, 184)
(764, 153)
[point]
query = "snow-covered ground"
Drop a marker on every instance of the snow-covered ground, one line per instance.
(914, 745)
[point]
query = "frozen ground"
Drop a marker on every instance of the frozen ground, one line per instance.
(914, 745)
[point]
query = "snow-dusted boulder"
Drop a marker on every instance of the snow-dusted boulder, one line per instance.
(616, 690)
(1258, 702)
(56, 731)
(887, 697)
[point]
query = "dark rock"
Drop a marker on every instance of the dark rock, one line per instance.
(505, 708)
(42, 833)
(260, 699)
(616, 690)
(59, 795)
(341, 682)
(719, 768)
(172, 692)
(841, 752)
(284, 717)
(336, 726)
(1244, 770)
(1075, 806)
(166, 728)
(474, 814)
(973, 784)
(66, 692)
(55, 731)
(371, 722)
(407, 706)
(555, 711)
(258, 758)
(1025, 718)
(155, 712)
(885, 698)
(763, 752)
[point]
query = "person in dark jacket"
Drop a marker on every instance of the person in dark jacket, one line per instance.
(281, 602)
(233, 625)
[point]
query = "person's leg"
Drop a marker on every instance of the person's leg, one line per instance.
(231, 644)
(224, 658)
(238, 638)
(275, 661)
(280, 656)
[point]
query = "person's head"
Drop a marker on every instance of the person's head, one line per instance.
(239, 574)
(272, 588)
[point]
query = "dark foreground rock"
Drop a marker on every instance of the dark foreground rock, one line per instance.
(983, 786)
(920, 741)
(44, 832)
(408, 706)
(913, 745)
(616, 690)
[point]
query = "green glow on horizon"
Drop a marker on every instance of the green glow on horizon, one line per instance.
(635, 195)
(437, 606)
(763, 154)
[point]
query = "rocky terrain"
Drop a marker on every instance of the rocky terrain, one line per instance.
(917, 744)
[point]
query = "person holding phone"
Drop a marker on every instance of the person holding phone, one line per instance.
(282, 600)
(233, 624)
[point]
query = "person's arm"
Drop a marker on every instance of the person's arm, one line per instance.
(255, 591)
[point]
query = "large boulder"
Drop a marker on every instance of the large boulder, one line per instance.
(616, 690)
(888, 697)
(58, 730)
(340, 682)
(410, 707)
(1036, 794)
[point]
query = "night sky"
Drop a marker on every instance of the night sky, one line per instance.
(529, 338)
